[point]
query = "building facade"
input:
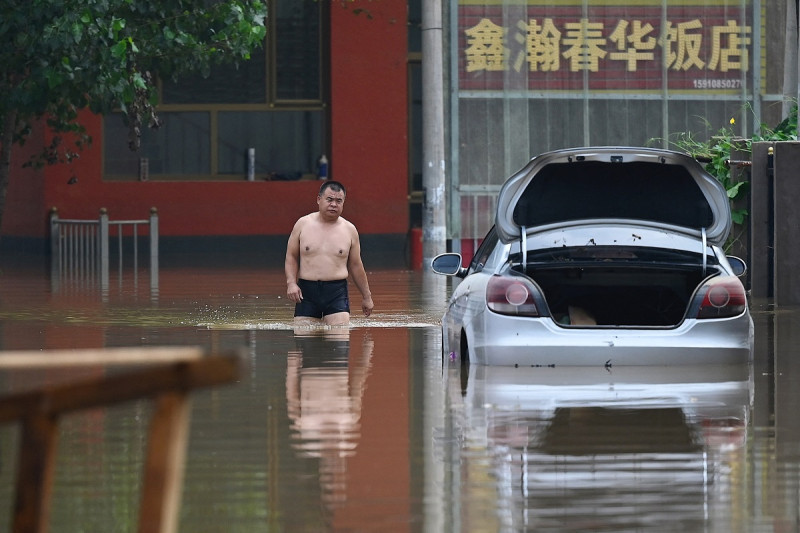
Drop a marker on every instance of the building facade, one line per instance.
(529, 76)
(236, 160)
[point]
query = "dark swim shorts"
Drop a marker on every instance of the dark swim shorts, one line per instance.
(322, 298)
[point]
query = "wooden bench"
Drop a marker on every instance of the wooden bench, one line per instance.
(166, 375)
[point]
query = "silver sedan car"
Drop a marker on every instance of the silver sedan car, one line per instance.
(602, 256)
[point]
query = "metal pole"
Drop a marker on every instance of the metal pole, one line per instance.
(790, 58)
(104, 245)
(796, 49)
(119, 252)
(55, 249)
(153, 251)
(434, 222)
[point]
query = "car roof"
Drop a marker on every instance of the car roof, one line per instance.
(643, 186)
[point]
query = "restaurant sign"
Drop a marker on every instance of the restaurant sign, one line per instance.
(627, 47)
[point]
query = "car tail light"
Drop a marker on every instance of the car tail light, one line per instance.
(728, 432)
(511, 296)
(721, 297)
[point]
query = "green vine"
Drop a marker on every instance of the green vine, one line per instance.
(715, 153)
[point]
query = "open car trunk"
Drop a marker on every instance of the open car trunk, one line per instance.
(619, 292)
(647, 187)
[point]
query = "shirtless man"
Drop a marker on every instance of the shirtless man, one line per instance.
(323, 250)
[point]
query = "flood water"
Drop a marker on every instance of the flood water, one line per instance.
(370, 431)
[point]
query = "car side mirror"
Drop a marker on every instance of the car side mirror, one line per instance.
(448, 264)
(738, 265)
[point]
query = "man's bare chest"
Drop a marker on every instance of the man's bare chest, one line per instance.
(327, 244)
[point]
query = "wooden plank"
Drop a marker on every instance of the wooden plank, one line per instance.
(164, 466)
(36, 466)
(101, 391)
(169, 383)
(106, 356)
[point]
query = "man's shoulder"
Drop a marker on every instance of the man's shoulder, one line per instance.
(349, 225)
(305, 219)
(346, 222)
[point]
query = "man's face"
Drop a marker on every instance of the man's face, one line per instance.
(330, 203)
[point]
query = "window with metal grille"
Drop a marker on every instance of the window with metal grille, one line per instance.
(265, 119)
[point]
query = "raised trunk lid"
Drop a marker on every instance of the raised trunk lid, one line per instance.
(647, 187)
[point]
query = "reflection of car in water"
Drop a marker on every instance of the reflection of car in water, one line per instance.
(630, 449)
(602, 254)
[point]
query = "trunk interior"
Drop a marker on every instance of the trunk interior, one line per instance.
(618, 295)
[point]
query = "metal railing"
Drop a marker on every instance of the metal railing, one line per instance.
(81, 249)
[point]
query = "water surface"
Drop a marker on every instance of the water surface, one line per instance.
(371, 431)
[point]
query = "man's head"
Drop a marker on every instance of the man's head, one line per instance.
(331, 199)
(333, 185)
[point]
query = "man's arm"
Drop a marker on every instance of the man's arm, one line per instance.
(292, 264)
(356, 268)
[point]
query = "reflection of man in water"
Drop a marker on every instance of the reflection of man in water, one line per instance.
(323, 250)
(324, 386)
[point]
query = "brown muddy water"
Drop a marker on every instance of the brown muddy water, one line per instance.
(370, 431)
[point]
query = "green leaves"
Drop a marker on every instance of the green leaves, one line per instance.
(119, 49)
(716, 152)
(117, 25)
(738, 216)
(57, 56)
(733, 190)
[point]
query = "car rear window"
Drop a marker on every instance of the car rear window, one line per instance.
(654, 192)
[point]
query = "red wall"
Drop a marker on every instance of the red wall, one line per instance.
(25, 212)
(369, 113)
(369, 154)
